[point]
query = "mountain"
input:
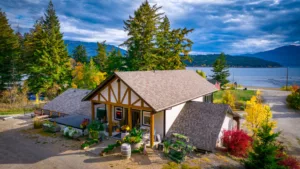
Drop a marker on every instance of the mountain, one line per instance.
(91, 47)
(285, 55)
(232, 61)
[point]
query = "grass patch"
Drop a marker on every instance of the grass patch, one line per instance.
(15, 111)
(242, 96)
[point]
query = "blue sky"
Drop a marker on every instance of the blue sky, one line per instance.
(230, 26)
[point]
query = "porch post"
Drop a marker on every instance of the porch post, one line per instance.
(129, 117)
(109, 119)
(152, 129)
(93, 110)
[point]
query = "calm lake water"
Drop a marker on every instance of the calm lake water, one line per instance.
(260, 77)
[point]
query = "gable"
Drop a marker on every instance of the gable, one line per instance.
(116, 92)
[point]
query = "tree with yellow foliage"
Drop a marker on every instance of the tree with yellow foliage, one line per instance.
(257, 113)
(87, 76)
(229, 98)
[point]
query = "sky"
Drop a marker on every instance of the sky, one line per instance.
(230, 26)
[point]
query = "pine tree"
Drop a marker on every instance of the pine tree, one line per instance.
(171, 44)
(220, 70)
(115, 62)
(264, 150)
(101, 57)
(10, 60)
(51, 66)
(80, 54)
(142, 28)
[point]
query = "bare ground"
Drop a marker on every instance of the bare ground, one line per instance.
(24, 147)
(288, 120)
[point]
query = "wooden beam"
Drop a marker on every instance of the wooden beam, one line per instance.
(142, 103)
(129, 96)
(152, 129)
(109, 119)
(124, 96)
(136, 101)
(103, 97)
(119, 91)
(112, 91)
(123, 105)
(93, 110)
(129, 118)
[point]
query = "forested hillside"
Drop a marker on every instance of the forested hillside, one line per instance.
(232, 61)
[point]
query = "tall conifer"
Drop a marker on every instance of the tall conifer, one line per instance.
(51, 67)
(101, 57)
(9, 54)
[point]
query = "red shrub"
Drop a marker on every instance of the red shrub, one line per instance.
(236, 142)
(290, 162)
(295, 88)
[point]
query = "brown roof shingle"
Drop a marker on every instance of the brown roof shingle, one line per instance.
(167, 88)
(201, 122)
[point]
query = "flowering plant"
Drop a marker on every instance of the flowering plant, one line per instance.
(84, 123)
(125, 128)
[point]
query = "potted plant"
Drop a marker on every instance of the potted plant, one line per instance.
(94, 128)
(134, 138)
(124, 129)
(84, 123)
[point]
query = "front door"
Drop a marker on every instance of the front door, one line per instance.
(135, 118)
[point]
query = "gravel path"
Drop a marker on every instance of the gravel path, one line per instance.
(288, 120)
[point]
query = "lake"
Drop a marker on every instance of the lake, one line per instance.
(259, 77)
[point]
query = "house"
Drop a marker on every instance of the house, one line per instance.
(163, 101)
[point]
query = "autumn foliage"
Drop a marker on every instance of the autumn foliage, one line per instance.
(237, 142)
(257, 113)
(229, 98)
(289, 162)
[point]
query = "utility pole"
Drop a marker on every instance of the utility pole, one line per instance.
(287, 78)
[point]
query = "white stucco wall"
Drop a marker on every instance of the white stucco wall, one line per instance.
(199, 99)
(227, 125)
(159, 123)
(172, 114)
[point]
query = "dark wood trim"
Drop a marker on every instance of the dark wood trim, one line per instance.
(123, 105)
(119, 91)
(110, 119)
(103, 97)
(113, 92)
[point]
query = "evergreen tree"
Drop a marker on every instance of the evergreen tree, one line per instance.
(51, 66)
(10, 61)
(101, 57)
(264, 150)
(115, 62)
(80, 54)
(220, 70)
(142, 28)
(171, 44)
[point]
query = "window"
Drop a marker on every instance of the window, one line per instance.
(146, 118)
(118, 113)
(208, 98)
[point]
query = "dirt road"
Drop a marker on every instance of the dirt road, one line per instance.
(288, 120)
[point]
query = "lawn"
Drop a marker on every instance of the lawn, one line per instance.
(241, 97)
(15, 111)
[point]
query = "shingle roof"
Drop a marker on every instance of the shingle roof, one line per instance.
(69, 102)
(167, 88)
(201, 122)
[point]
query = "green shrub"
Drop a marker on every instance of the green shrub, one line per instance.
(37, 123)
(135, 136)
(264, 154)
(294, 100)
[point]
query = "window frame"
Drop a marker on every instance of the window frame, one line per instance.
(122, 113)
(143, 114)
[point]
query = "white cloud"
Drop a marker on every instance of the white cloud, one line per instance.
(251, 45)
(70, 28)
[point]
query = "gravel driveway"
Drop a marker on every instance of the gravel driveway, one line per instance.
(288, 120)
